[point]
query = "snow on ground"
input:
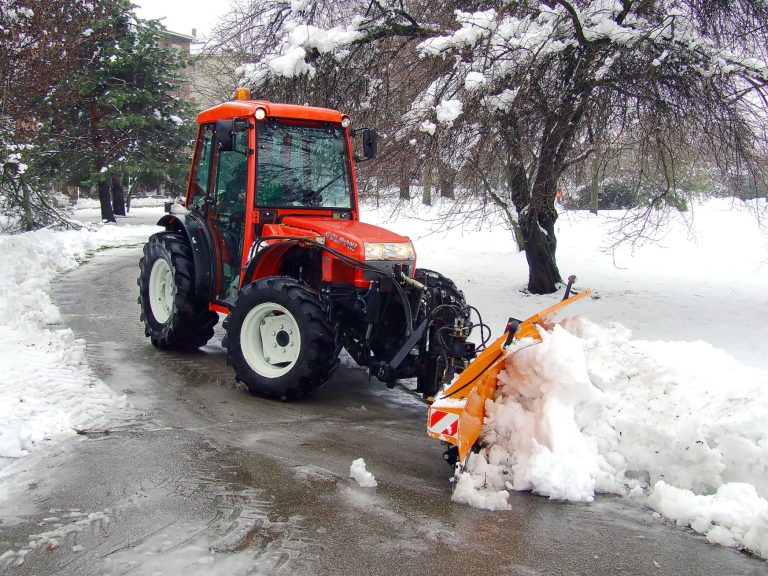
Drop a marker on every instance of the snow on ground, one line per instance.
(656, 391)
(48, 391)
(660, 396)
(90, 209)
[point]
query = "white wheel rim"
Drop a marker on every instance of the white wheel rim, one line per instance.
(270, 340)
(162, 290)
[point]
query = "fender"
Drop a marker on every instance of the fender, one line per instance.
(267, 261)
(200, 241)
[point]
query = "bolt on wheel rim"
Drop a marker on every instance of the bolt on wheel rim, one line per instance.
(270, 340)
(161, 290)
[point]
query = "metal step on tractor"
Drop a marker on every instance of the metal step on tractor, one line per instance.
(269, 234)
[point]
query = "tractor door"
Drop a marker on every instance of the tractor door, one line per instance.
(227, 212)
(218, 190)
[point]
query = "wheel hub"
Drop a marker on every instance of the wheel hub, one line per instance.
(283, 338)
(162, 290)
(270, 339)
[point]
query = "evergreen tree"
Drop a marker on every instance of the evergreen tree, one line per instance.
(116, 116)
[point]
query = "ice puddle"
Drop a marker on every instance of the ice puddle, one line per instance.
(680, 425)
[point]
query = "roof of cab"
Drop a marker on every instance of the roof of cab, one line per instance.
(240, 108)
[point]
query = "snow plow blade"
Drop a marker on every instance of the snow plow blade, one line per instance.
(457, 413)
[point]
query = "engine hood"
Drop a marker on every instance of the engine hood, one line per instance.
(347, 236)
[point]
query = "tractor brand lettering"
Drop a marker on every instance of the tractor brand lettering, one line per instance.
(348, 244)
(445, 423)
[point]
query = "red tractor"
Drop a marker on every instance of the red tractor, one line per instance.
(270, 235)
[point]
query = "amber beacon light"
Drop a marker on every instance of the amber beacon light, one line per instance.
(242, 93)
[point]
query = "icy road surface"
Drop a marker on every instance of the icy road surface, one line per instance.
(201, 478)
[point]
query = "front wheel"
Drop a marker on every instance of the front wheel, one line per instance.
(280, 340)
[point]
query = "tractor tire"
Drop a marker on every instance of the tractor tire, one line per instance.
(174, 317)
(446, 303)
(280, 339)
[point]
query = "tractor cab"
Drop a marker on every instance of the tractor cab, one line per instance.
(257, 163)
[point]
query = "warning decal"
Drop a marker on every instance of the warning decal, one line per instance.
(445, 423)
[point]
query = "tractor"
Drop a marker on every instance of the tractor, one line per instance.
(269, 234)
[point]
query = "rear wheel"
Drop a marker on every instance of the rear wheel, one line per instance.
(174, 317)
(280, 340)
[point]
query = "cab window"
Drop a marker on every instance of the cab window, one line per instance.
(303, 166)
(201, 170)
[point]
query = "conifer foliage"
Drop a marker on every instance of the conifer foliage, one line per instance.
(100, 107)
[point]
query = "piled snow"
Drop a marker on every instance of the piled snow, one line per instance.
(361, 475)
(47, 389)
(428, 127)
(289, 58)
(473, 27)
(675, 416)
(474, 80)
(733, 516)
(590, 410)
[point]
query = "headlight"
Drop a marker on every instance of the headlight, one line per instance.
(389, 251)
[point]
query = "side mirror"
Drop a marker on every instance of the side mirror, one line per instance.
(240, 136)
(225, 135)
(229, 135)
(370, 139)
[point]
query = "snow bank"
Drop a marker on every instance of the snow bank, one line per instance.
(734, 516)
(47, 389)
(590, 410)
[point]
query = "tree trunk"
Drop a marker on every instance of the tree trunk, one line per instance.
(405, 186)
(426, 196)
(107, 215)
(447, 181)
(540, 246)
(118, 195)
(29, 219)
(594, 192)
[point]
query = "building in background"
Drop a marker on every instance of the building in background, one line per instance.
(183, 43)
(208, 78)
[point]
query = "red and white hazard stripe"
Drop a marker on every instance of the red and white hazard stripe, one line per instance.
(445, 423)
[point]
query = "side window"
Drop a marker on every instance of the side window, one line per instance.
(231, 177)
(202, 167)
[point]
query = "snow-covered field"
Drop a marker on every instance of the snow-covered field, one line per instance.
(656, 392)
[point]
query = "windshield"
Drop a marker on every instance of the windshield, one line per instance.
(302, 166)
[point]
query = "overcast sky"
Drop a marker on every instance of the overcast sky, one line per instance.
(184, 15)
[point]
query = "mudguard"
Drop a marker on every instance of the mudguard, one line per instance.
(202, 247)
(457, 413)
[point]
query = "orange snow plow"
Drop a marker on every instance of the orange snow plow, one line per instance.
(457, 413)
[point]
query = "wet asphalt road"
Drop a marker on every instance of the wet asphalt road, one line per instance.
(199, 477)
